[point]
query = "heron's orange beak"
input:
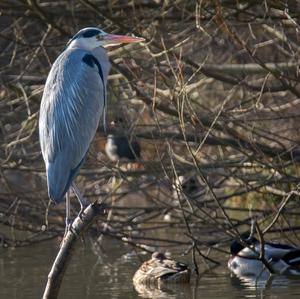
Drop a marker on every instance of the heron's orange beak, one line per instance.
(113, 39)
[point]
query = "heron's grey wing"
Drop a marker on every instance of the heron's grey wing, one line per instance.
(72, 104)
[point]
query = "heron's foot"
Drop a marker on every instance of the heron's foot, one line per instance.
(74, 231)
(70, 228)
(69, 222)
(82, 208)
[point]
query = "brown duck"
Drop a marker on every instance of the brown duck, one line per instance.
(162, 269)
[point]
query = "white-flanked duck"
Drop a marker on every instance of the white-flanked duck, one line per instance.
(281, 258)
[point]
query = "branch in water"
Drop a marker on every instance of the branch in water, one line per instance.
(78, 227)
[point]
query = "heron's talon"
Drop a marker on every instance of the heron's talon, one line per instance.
(81, 212)
(74, 231)
(70, 228)
(69, 223)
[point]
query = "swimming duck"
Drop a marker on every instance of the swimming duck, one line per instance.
(160, 269)
(282, 258)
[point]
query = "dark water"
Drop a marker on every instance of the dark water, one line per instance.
(23, 274)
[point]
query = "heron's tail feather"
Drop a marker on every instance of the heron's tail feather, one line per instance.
(57, 180)
(60, 179)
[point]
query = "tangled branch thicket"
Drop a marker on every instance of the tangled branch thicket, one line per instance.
(212, 95)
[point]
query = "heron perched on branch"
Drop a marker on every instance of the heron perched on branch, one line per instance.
(73, 103)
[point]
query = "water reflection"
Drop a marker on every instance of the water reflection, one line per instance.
(163, 290)
(264, 281)
(23, 274)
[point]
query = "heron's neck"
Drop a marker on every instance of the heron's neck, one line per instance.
(101, 55)
(80, 44)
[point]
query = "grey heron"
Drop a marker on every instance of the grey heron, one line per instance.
(73, 102)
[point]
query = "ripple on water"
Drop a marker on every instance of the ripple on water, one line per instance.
(23, 274)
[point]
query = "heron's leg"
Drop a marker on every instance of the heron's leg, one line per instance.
(83, 202)
(68, 212)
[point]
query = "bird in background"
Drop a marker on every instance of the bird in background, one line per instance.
(244, 261)
(73, 102)
(121, 147)
(187, 184)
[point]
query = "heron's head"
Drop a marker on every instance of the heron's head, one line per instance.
(91, 38)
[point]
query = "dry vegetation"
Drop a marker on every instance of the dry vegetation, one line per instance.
(212, 94)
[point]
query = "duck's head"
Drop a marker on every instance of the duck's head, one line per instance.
(236, 246)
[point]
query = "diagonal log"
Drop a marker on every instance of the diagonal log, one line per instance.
(78, 227)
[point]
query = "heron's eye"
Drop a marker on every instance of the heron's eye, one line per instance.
(99, 37)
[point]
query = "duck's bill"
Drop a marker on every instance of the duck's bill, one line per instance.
(122, 39)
